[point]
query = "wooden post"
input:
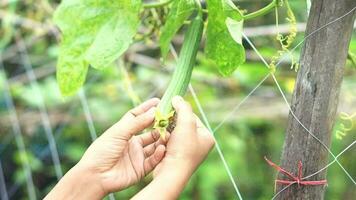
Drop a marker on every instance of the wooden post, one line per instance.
(315, 97)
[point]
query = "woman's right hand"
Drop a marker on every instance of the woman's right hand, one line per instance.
(187, 147)
(188, 144)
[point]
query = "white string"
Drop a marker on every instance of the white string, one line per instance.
(313, 174)
(90, 122)
(332, 162)
(314, 136)
(285, 55)
(42, 153)
(291, 111)
(206, 122)
(218, 148)
(314, 32)
(240, 103)
(3, 190)
(15, 124)
(280, 191)
(88, 115)
(42, 107)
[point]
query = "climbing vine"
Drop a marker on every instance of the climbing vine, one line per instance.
(285, 41)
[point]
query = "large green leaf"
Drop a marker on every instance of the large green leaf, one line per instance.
(96, 33)
(180, 11)
(224, 36)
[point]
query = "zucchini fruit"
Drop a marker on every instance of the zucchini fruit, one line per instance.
(181, 75)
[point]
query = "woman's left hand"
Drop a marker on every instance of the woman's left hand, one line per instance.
(116, 160)
(119, 158)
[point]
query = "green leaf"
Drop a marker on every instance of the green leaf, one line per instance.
(231, 10)
(224, 36)
(352, 57)
(180, 11)
(235, 29)
(95, 32)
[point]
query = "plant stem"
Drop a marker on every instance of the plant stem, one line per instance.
(262, 11)
(157, 4)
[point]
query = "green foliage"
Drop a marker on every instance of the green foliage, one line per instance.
(180, 11)
(224, 42)
(21, 157)
(74, 151)
(8, 29)
(95, 33)
(352, 57)
(33, 98)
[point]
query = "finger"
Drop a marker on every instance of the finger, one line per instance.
(205, 134)
(185, 115)
(127, 127)
(148, 138)
(150, 149)
(144, 107)
(164, 141)
(139, 110)
(151, 162)
(129, 117)
(201, 127)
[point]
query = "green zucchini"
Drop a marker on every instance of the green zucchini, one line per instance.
(181, 75)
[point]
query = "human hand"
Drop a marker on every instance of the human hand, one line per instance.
(119, 159)
(188, 144)
(116, 160)
(187, 147)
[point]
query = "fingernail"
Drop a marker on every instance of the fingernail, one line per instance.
(177, 99)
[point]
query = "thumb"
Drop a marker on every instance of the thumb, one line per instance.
(185, 116)
(134, 122)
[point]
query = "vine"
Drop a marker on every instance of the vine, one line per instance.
(273, 5)
(346, 125)
(285, 41)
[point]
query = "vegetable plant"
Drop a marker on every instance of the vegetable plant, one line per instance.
(97, 32)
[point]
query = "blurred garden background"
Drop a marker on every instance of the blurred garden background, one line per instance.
(28, 53)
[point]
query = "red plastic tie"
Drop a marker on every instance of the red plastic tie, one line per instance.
(294, 179)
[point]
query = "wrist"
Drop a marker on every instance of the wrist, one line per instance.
(173, 173)
(78, 183)
(89, 182)
(177, 166)
(175, 180)
(176, 176)
(173, 176)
